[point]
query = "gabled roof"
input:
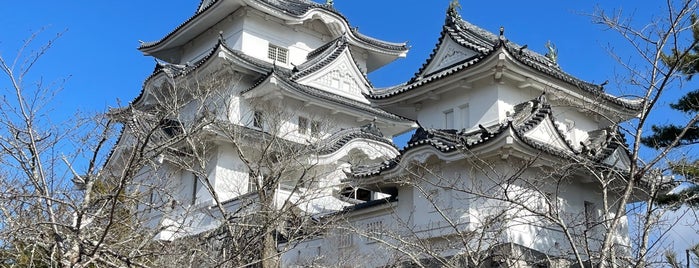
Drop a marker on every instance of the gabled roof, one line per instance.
(282, 78)
(323, 56)
(527, 116)
(486, 45)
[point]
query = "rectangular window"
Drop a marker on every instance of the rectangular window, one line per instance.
(252, 183)
(465, 117)
(374, 231)
(590, 214)
(345, 240)
(257, 120)
(277, 53)
(449, 119)
(303, 125)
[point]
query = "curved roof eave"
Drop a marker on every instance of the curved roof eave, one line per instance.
(213, 13)
(199, 22)
(364, 142)
(240, 59)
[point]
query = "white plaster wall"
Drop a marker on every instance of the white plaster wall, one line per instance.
(197, 48)
(236, 107)
(480, 102)
(230, 176)
(250, 32)
(259, 32)
(510, 95)
(582, 124)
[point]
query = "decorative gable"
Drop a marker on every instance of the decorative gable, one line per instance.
(546, 133)
(448, 54)
(341, 77)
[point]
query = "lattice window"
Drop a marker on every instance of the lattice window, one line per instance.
(277, 53)
(375, 230)
(345, 240)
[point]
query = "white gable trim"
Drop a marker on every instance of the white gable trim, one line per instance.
(547, 133)
(449, 53)
(341, 77)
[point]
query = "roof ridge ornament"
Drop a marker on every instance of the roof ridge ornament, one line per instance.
(502, 34)
(453, 6)
(329, 2)
(220, 37)
(552, 55)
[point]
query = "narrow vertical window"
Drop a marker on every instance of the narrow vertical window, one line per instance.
(590, 214)
(252, 183)
(303, 125)
(465, 116)
(257, 119)
(449, 119)
(196, 185)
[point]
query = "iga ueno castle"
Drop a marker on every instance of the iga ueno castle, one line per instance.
(500, 135)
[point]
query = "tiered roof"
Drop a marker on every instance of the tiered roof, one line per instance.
(486, 45)
(599, 146)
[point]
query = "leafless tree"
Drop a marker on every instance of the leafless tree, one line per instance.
(69, 200)
(533, 192)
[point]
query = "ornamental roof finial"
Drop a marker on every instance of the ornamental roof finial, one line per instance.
(329, 2)
(552, 55)
(453, 6)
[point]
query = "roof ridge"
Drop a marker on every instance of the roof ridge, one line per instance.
(342, 137)
(321, 60)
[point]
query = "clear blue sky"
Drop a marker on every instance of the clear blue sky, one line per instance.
(98, 56)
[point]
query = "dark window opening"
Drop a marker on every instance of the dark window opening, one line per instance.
(257, 119)
(171, 127)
